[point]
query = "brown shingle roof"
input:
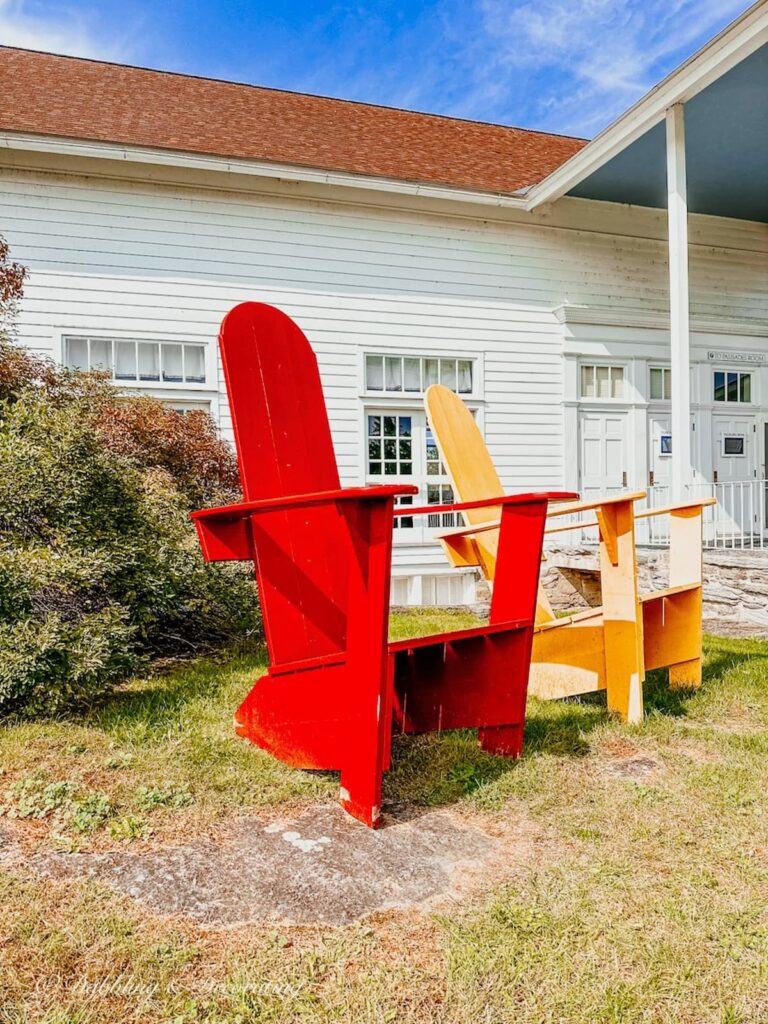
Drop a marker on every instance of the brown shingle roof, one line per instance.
(44, 94)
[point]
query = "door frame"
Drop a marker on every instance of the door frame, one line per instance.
(605, 408)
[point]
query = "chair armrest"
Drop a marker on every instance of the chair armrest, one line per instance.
(682, 507)
(224, 534)
(468, 531)
(504, 499)
(248, 508)
(588, 506)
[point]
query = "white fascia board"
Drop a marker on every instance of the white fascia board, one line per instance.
(250, 168)
(736, 42)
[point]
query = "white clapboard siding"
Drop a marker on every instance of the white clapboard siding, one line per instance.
(129, 259)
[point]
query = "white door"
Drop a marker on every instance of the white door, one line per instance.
(734, 461)
(602, 453)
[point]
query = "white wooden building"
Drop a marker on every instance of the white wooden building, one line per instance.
(604, 336)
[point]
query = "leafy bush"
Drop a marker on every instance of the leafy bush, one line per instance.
(100, 567)
(187, 446)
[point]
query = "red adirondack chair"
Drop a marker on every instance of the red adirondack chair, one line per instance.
(322, 556)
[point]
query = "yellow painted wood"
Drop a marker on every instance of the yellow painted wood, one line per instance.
(461, 551)
(569, 508)
(622, 616)
(648, 513)
(473, 476)
(674, 627)
(605, 648)
(463, 452)
(568, 657)
(582, 524)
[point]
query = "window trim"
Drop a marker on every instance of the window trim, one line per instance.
(734, 437)
(421, 533)
(666, 370)
(615, 363)
(209, 385)
(717, 403)
(403, 398)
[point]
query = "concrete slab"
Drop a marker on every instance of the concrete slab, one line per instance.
(320, 868)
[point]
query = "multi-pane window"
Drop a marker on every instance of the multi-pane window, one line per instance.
(390, 445)
(732, 386)
(661, 384)
(151, 362)
(401, 445)
(602, 381)
(414, 374)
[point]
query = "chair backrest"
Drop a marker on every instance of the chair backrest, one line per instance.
(468, 464)
(463, 451)
(284, 448)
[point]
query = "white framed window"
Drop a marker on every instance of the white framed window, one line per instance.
(400, 448)
(412, 375)
(734, 446)
(185, 407)
(660, 384)
(138, 362)
(731, 386)
(598, 380)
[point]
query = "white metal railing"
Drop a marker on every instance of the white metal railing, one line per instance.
(736, 520)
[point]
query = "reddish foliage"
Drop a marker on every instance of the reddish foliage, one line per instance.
(20, 369)
(185, 444)
(11, 277)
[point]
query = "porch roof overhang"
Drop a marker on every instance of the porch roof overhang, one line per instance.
(724, 90)
(726, 151)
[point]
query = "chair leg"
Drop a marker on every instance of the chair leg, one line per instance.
(502, 739)
(360, 793)
(686, 675)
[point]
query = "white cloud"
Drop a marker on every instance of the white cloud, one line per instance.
(601, 54)
(60, 29)
(568, 66)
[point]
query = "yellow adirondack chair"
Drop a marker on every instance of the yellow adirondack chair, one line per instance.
(610, 647)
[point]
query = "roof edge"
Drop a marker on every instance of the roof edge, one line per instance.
(736, 42)
(126, 154)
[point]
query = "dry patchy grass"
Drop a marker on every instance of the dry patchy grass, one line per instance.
(655, 910)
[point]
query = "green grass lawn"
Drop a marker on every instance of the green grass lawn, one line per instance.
(646, 900)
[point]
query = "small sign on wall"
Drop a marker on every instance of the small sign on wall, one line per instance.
(735, 357)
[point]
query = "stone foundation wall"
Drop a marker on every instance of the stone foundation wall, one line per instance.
(735, 582)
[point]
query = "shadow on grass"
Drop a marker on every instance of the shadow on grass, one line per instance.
(440, 770)
(158, 699)
(427, 771)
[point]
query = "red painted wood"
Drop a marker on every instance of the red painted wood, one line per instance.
(506, 499)
(229, 513)
(462, 634)
(322, 558)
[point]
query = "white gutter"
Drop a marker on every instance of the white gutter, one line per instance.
(248, 168)
(736, 42)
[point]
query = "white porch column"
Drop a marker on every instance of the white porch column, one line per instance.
(677, 213)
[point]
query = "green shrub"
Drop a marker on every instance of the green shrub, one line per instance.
(99, 562)
(100, 568)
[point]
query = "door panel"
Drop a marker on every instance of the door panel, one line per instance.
(602, 452)
(734, 461)
(734, 452)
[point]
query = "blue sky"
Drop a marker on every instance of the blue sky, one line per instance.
(567, 66)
